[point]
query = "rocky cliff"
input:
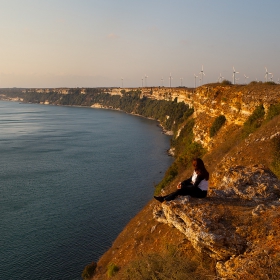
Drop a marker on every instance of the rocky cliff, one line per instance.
(238, 224)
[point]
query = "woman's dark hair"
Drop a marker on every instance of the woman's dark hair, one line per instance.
(200, 169)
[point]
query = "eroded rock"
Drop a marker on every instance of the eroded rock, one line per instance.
(232, 225)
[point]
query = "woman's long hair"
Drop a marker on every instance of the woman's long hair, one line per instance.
(200, 169)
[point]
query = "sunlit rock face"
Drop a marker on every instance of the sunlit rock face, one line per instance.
(236, 224)
(203, 225)
(249, 183)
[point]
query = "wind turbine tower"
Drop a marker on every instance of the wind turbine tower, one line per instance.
(201, 75)
(220, 79)
(162, 82)
(181, 79)
(266, 74)
(170, 78)
(122, 82)
(246, 78)
(233, 76)
(146, 77)
(195, 80)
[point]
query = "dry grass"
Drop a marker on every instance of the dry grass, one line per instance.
(173, 264)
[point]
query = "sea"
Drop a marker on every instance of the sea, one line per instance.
(71, 178)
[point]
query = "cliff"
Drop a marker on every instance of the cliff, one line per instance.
(234, 232)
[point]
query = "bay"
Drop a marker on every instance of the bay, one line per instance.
(71, 178)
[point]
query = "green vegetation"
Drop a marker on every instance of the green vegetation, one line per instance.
(226, 82)
(170, 174)
(275, 166)
(185, 150)
(273, 110)
(254, 121)
(88, 271)
(112, 269)
(217, 124)
(270, 83)
(172, 264)
(255, 82)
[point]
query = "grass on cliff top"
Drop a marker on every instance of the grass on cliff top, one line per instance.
(173, 264)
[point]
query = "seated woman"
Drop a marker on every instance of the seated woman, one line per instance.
(195, 186)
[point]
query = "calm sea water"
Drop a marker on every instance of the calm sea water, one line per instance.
(71, 178)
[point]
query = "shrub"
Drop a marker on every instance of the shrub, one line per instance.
(255, 82)
(88, 271)
(254, 121)
(193, 150)
(226, 82)
(273, 110)
(275, 166)
(112, 269)
(217, 124)
(170, 174)
(270, 83)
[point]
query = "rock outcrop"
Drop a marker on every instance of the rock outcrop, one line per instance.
(237, 225)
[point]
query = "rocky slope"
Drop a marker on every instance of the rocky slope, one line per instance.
(238, 224)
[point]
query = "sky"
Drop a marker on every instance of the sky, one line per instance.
(130, 43)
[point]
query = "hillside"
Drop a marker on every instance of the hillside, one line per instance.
(234, 232)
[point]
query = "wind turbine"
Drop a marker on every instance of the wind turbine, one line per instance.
(220, 78)
(245, 78)
(278, 81)
(142, 82)
(170, 78)
(195, 80)
(201, 75)
(122, 82)
(271, 78)
(233, 76)
(146, 77)
(181, 81)
(266, 74)
(162, 82)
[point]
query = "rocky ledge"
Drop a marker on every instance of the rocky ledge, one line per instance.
(238, 225)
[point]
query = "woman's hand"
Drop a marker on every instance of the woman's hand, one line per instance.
(179, 186)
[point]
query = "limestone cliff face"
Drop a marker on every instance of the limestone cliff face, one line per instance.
(236, 103)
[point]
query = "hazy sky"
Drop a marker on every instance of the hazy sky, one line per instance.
(94, 43)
